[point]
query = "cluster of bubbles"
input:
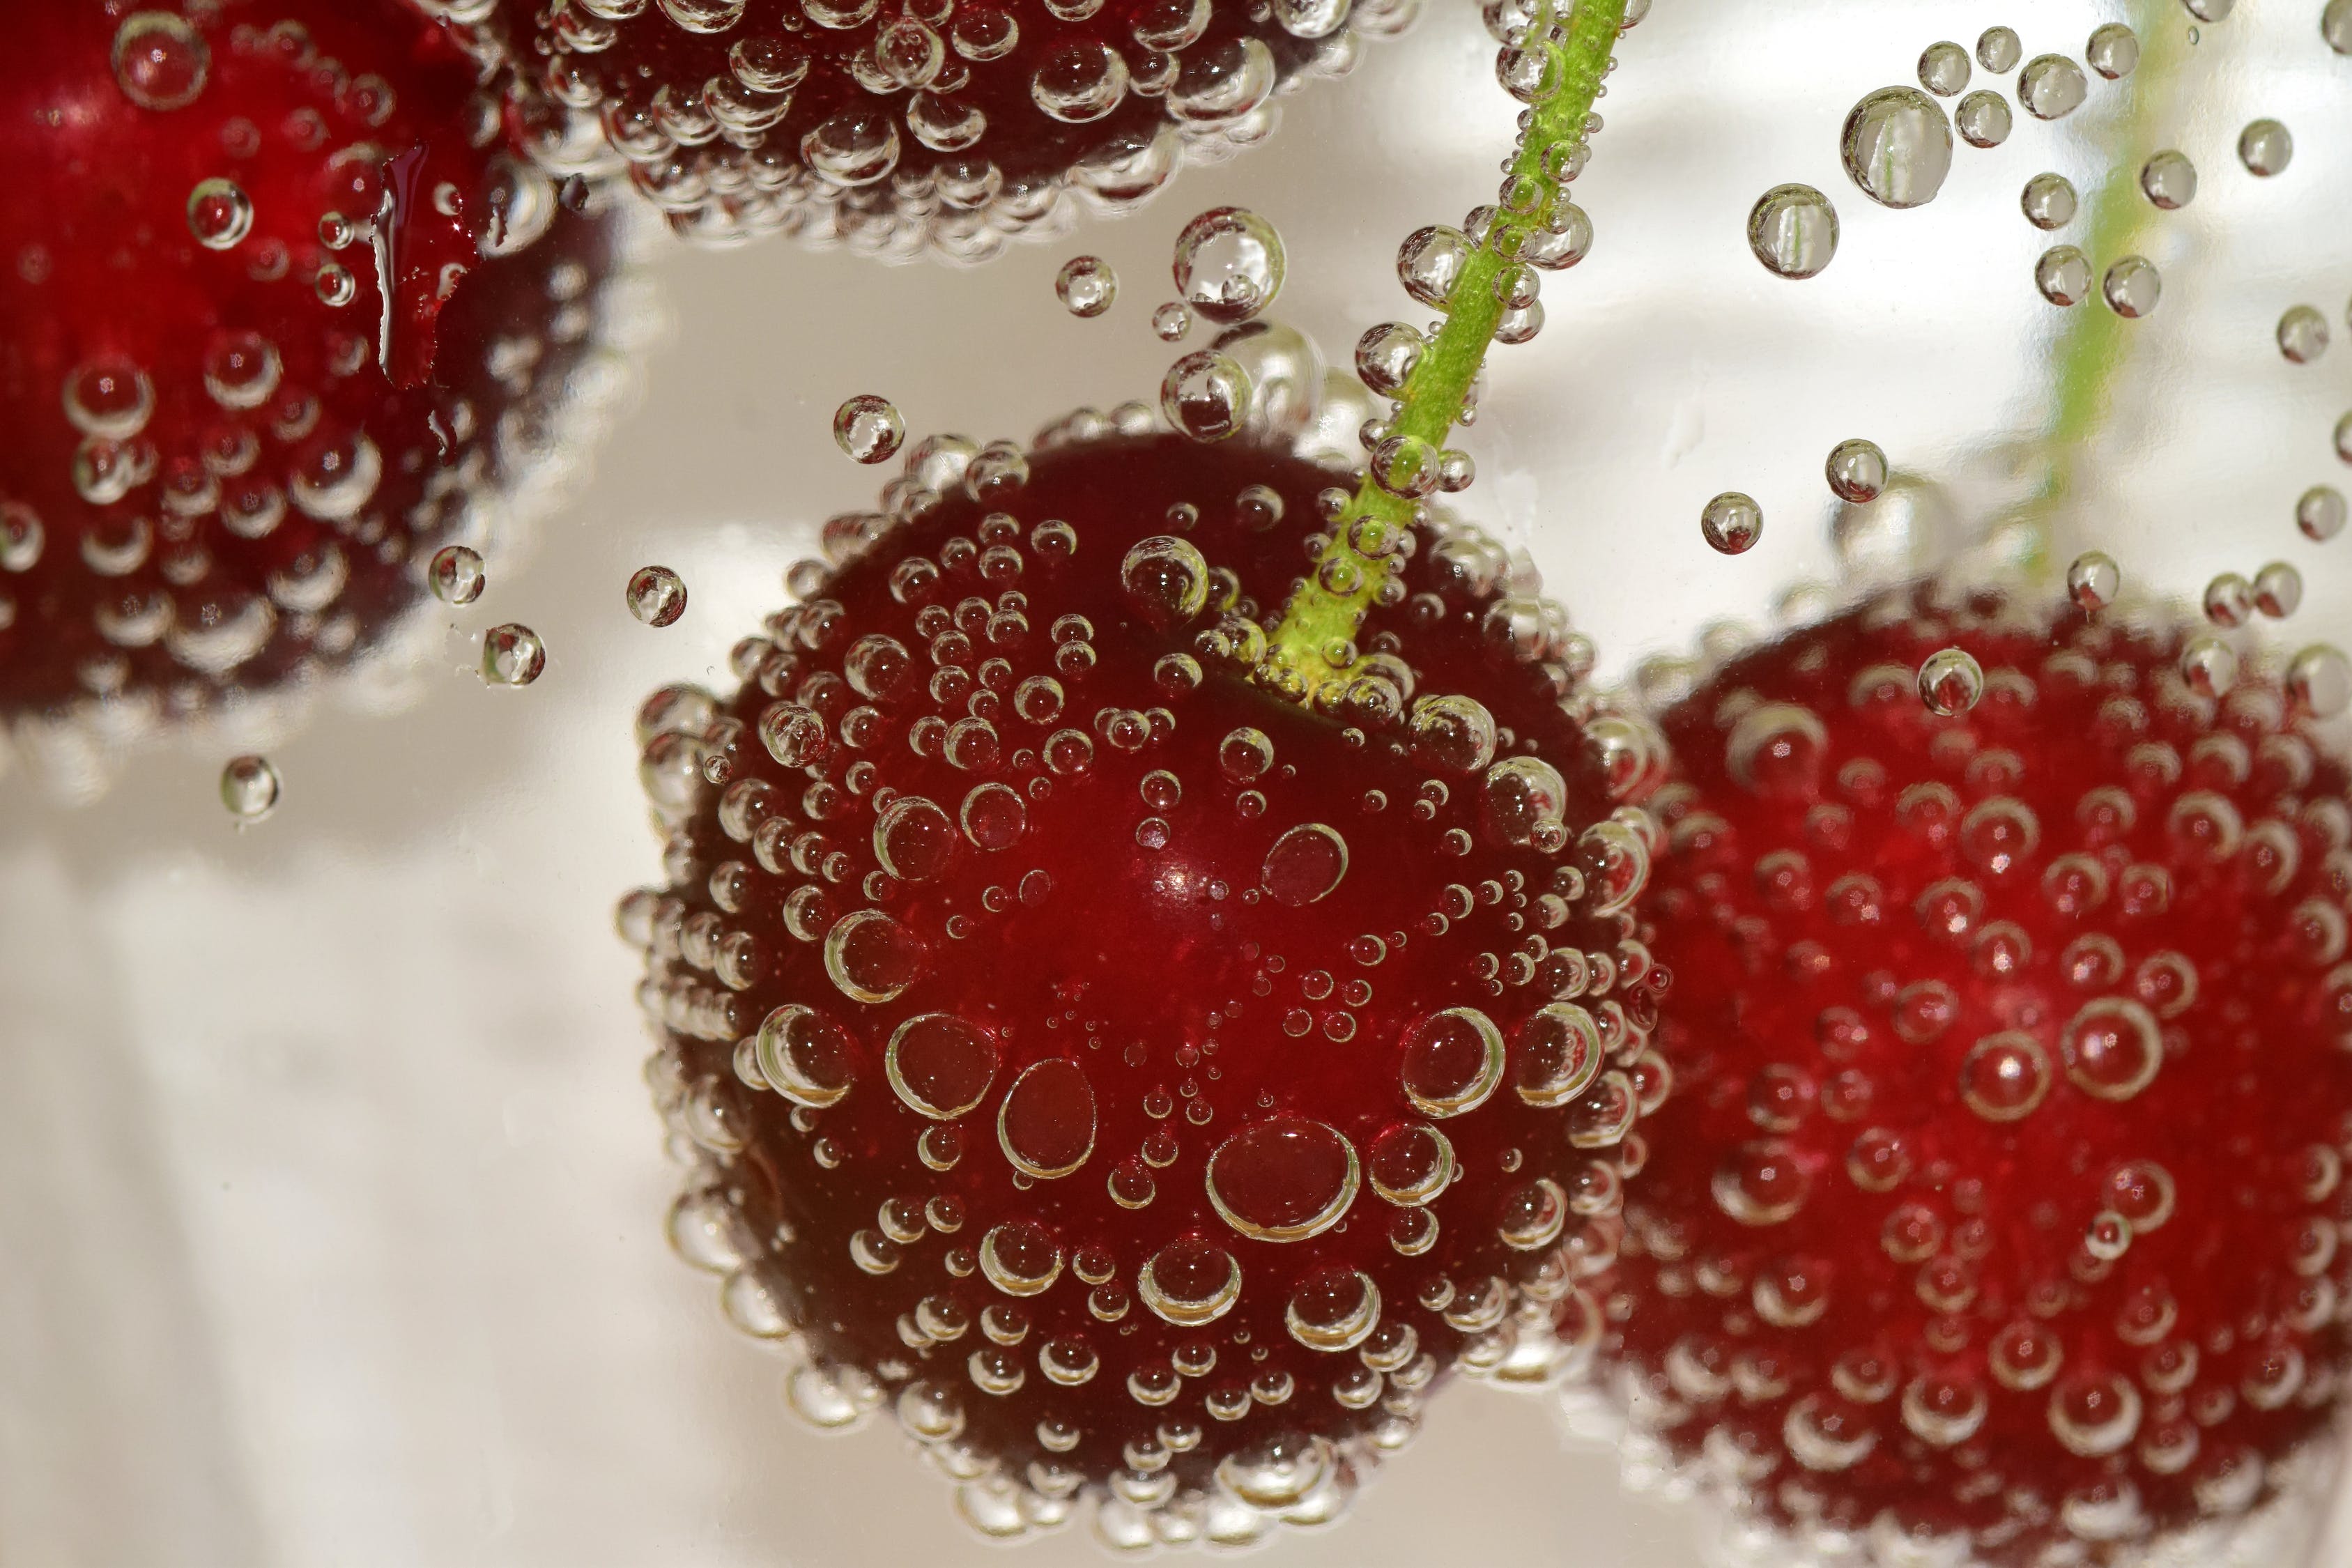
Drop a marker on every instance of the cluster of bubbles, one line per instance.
(942, 130)
(1732, 522)
(1228, 264)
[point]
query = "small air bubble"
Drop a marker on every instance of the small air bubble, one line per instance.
(656, 596)
(1206, 395)
(1897, 147)
(2265, 148)
(220, 214)
(1950, 682)
(2302, 334)
(2094, 580)
(1983, 119)
(2052, 87)
(2169, 180)
(2112, 51)
(2049, 202)
(2132, 286)
(1944, 68)
(2320, 512)
(1087, 286)
(2063, 275)
(1171, 321)
(512, 655)
(1856, 471)
(159, 61)
(457, 574)
(1793, 230)
(1999, 49)
(1731, 523)
(249, 787)
(869, 429)
(1228, 264)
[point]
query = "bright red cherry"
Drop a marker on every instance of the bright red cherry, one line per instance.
(1996, 1215)
(915, 127)
(1147, 1085)
(277, 321)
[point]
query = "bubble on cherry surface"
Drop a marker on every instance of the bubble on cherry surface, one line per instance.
(871, 957)
(1188, 1282)
(220, 214)
(2052, 87)
(2049, 201)
(2169, 180)
(1087, 286)
(1166, 579)
(2319, 678)
(1999, 49)
(1305, 863)
(2113, 50)
(2319, 513)
(2093, 580)
(1950, 682)
(1046, 1124)
(1206, 395)
(1283, 1179)
(1897, 147)
(1453, 1062)
(941, 1065)
(250, 788)
(1228, 264)
(1793, 230)
(656, 595)
(1983, 119)
(2265, 147)
(512, 655)
(1856, 471)
(1731, 523)
(2132, 286)
(1944, 68)
(868, 430)
(161, 62)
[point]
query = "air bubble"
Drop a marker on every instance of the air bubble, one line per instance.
(1206, 395)
(2335, 25)
(1190, 1282)
(2094, 580)
(1228, 264)
(1305, 863)
(159, 61)
(2278, 590)
(2302, 334)
(2112, 1048)
(1944, 68)
(805, 1055)
(869, 429)
(512, 655)
(457, 574)
(2169, 180)
(1950, 682)
(1046, 1124)
(2320, 512)
(2049, 201)
(2265, 147)
(871, 957)
(2319, 678)
(2004, 1077)
(2052, 87)
(1284, 1179)
(1087, 286)
(1897, 147)
(1856, 471)
(1171, 321)
(1167, 580)
(2112, 51)
(249, 787)
(655, 596)
(1793, 230)
(2063, 275)
(2132, 286)
(220, 214)
(1983, 119)
(1999, 49)
(1453, 1062)
(913, 839)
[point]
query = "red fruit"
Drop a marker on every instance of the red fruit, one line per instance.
(1999, 1201)
(922, 126)
(232, 446)
(1074, 1045)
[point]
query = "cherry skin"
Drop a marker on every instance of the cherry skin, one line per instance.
(234, 443)
(1148, 1086)
(1998, 1202)
(916, 128)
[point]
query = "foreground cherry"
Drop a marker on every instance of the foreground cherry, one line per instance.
(922, 127)
(1147, 1085)
(277, 321)
(1996, 1217)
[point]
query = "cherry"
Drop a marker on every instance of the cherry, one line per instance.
(1997, 1212)
(1149, 1086)
(234, 442)
(915, 127)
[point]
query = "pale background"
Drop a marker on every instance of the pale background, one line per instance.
(330, 1199)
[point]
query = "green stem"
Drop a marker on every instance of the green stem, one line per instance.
(1314, 645)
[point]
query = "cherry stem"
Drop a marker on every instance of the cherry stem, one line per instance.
(1314, 645)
